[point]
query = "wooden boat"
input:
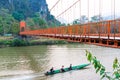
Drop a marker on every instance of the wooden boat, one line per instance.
(78, 67)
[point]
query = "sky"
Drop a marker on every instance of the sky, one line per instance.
(96, 7)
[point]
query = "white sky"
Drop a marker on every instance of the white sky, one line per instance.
(107, 8)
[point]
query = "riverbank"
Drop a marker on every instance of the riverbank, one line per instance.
(47, 41)
(11, 42)
(5, 40)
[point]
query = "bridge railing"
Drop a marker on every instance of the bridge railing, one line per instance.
(109, 28)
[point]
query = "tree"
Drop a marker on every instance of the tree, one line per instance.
(18, 16)
(8, 23)
(41, 23)
(1, 26)
(96, 18)
(15, 27)
(83, 19)
(30, 23)
(76, 21)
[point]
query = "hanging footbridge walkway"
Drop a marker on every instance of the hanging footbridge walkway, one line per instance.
(92, 27)
(104, 33)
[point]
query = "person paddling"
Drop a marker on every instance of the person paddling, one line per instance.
(52, 70)
(62, 69)
(70, 68)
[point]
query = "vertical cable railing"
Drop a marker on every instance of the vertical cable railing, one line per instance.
(80, 19)
(88, 29)
(99, 19)
(114, 21)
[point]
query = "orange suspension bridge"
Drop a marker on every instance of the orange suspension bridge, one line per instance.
(102, 32)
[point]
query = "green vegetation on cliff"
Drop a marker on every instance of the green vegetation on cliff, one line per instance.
(34, 12)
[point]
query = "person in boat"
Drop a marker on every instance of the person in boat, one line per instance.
(62, 69)
(52, 70)
(46, 73)
(70, 68)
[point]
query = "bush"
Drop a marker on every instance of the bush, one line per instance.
(5, 42)
(19, 42)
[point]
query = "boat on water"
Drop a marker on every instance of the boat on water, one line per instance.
(78, 67)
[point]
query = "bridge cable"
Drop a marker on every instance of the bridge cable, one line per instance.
(94, 7)
(88, 20)
(114, 20)
(68, 8)
(80, 15)
(54, 5)
(99, 18)
(80, 9)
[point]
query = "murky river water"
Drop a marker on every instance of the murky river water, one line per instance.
(30, 63)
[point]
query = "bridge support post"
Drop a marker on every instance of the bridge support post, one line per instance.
(108, 29)
(89, 40)
(115, 43)
(94, 41)
(107, 42)
(100, 41)
(22, 26)
(85, 40)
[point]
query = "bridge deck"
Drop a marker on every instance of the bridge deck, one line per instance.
(80, 36)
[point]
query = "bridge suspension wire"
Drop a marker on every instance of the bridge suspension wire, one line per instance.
(88, 10)
(99, 10)
(111, 9)
(94, 7)
(114, 10)
(68, 8)
(80, 9)
(114, 20)
(56, 12)
(80, 15)
(54, 5)
(73, 11)
(99, 18)
(88, 19)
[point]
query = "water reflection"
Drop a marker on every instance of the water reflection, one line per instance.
(30, 63)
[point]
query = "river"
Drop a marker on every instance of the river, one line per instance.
(31, 62)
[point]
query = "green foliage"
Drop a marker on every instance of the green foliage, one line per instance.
(39, 22)
(47, 42)
(116, 68)
(34, 12)
(7, 23)
(18, 16)
(30, 23)
(96, 18)
(15, 27)
(19, 42)
(6, 42)
(101, 69)
(15, 42)
(83, 19)
(97, 65)
(76, 21)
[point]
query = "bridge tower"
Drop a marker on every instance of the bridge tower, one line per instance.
(22, 26)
